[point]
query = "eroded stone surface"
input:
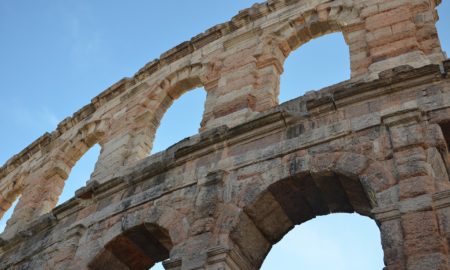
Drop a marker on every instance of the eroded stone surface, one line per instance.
(376, 145)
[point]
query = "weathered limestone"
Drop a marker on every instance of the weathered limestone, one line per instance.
(377, 145)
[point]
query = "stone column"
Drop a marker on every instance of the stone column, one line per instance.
(391, 238)
(41, 192)
(113, 156)
(63, 255)
(247, 83)
(401, 33)
(217, 258)
(422, 246)
(125, 147)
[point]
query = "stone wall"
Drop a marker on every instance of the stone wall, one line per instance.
(376, 145)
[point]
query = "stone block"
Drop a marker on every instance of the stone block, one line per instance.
(422, 234)
(415, 186)
(388, 18)
(220, 200)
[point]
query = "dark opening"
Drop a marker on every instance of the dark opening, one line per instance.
(138, 248)
(296, 201)
(446, 132)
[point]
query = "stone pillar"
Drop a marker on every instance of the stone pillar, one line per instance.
(10, 188)
(41, 192)
(112, 157)
(247, 83)
(442, 205)
(218, 258)
(121, 149)
(391, 238)
(422, 246)
(355, 37)
(401, 33)
(39, 197)
(62, 255)
(209, 246)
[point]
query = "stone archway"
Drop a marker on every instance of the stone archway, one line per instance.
(137, 240)
(146, 116)
(316, 186)
(45, 185)
(137, 248)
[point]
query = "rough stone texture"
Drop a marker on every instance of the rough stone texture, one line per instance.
(377, 145)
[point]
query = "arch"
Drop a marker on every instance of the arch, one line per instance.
(181, 120)
(141, 239)
(64, 158)
(161, 96)
(137, 248)
(311, 186)
(10, 190)
(310, 68)
(81, 172)
(326, 18)
(6, 214)
(87, 136)
(43, 187)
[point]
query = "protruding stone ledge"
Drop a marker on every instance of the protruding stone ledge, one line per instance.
(348, 92)
(66, 208)
(43, 223)
(87, 192)
(172, 264)
(327, 99)
(25, 154)
(198, 145)
(439, 200)
(215, 257)
(231, 258)
(386, 213)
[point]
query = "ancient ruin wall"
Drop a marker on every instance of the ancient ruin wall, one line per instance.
(239, 64)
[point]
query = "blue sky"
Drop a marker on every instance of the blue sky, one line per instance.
(57, 55)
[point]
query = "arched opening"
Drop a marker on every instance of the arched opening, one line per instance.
(80, 173)
(321, 62)
(181, 120)
(5, 217)
(79, 157)
(321, 32)
(337, 241)
(138, 248)
(42, 189)
(295, 201)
